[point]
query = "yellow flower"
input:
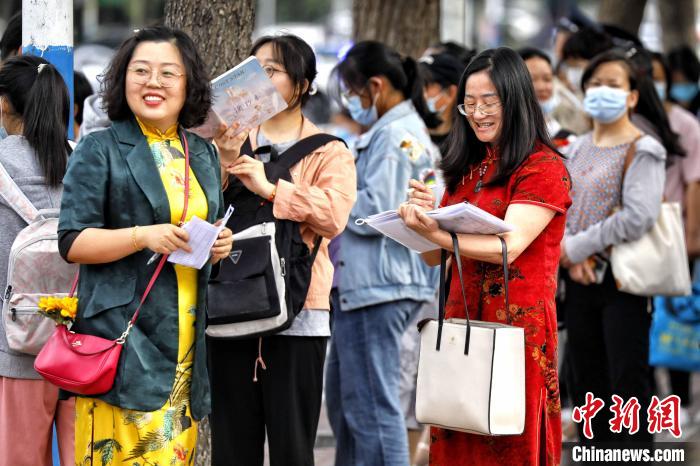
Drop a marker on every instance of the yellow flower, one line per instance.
(66, 307)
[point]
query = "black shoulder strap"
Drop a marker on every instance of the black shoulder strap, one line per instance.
(304, 147)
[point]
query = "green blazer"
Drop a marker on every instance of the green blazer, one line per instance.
(112, 182)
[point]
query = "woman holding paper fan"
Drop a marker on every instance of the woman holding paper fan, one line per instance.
(125, 193)
(500, 158)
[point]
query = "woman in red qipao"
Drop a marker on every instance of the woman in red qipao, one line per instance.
(501, 159)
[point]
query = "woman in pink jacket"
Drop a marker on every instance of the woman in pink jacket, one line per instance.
(285, 401)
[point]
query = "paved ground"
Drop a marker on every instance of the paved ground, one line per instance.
(325, 452)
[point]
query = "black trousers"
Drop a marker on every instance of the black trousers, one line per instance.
(285, 402)
(608, 351)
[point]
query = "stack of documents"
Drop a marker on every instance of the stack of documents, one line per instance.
(457, 218)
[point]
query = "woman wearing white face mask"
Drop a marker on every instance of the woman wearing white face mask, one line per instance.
(608, 329)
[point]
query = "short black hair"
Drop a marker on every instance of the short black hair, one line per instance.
(586, 44)
(684, 59)
(298, 60)
(198, 89)
(458, 51)
(11, 39)
(441, 68)
(523, 127)
(527, 53)
(37, 93)
(81, 91)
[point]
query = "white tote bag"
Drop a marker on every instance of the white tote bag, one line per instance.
(471, 374)
(656, 263)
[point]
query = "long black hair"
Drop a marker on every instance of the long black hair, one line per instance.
(637, 63)
(371, 58)
(198, 93)
(522, 123)
(39, 96)
(299, 62)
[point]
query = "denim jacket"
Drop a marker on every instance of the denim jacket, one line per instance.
(372, 268)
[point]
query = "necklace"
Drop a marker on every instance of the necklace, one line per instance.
(481, 170)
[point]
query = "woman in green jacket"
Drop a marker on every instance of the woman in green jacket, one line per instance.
(123, 199)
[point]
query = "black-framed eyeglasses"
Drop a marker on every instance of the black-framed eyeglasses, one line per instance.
(271, 70)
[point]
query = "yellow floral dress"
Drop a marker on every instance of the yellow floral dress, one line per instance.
(165, 437)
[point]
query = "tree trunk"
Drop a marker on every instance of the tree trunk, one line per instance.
(222, 29)
(409, 26)
(677, 19)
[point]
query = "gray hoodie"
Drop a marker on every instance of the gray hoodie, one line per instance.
(94, 116)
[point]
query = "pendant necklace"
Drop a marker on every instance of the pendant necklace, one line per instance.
(483, 167)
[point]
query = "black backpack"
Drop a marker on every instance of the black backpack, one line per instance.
(261, 287)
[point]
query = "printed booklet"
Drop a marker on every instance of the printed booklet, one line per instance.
(243, 94)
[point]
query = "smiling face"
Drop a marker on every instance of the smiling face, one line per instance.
(152, 103)
(480, 93)
(542, 77)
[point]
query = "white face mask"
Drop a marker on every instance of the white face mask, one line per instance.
(574, 75)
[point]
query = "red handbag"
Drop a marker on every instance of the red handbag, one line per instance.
(87, 364)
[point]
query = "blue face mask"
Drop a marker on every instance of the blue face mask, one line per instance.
(431, 102)
(549, 105)
(660, 89)
(684, 92)
(364, 116)
(605, 104)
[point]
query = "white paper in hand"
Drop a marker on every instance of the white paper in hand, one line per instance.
(202, 238)
(458, 218)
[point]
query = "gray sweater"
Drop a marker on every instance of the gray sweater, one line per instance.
(21, 163)
(642, 193)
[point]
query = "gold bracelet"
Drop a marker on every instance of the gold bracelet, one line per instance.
(133, 238)
(271, 198)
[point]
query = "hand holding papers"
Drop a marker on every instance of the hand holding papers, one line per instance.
(202, 237)
(458, 218)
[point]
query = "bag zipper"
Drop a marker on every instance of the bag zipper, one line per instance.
(22, 310)
(283, 266)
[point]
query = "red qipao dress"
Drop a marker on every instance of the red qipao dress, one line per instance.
(541, 180)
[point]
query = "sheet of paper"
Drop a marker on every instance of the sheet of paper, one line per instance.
(202, 237)
(459, 218)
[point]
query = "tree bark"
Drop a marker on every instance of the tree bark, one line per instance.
(677, 19)
(222, 29)
(409, 26)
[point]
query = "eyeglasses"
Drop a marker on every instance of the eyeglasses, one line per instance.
(141, 74)
(485, 109)
(270, 70)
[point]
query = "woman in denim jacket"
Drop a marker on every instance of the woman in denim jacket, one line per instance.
(381, 284)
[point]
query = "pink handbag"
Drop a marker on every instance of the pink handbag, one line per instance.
(87, 364)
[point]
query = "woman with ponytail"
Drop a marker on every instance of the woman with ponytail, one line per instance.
(381, 285)
(34, 111)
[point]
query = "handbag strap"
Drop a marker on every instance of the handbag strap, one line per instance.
(122, 339)
(442, 297)
(161, 263)
(15, 198)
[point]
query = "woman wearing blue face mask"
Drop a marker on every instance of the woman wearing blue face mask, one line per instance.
(608, 329)
(685, 74)
(380, 284)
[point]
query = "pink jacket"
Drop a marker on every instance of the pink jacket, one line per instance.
(321, 197)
